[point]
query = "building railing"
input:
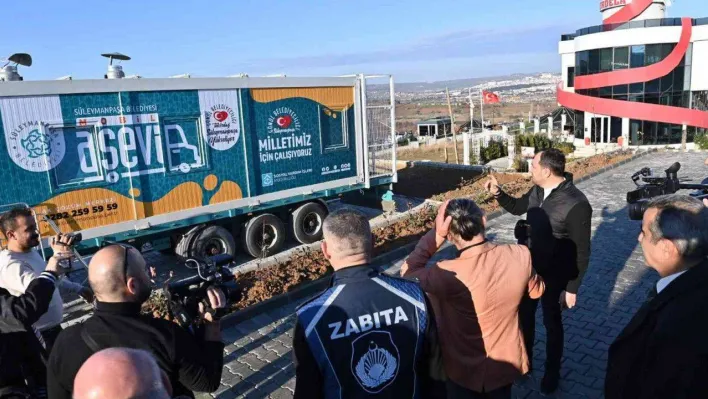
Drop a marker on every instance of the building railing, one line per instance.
(646, 23)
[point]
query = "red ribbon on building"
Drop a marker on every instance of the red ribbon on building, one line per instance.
(629, 109)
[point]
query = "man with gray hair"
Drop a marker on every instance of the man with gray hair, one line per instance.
(121, 373)
(369, 334)
(663, 351)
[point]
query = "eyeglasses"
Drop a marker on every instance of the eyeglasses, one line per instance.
(125, 262)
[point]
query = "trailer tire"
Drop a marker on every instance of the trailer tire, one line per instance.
(263, 235)
(182, 249)
(211, 241)
(306, 222)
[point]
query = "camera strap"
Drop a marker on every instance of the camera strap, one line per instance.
(471, 246)
(89, 341)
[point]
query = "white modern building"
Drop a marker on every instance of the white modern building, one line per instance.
(640, 78)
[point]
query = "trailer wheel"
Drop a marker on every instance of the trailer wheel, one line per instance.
(211, 241)
(182, 249)
(263, 235)
(306, 222)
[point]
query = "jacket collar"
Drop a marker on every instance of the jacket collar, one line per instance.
(568, 182)
(695, 278)
(476, 251)
(354, 274)
(119, 308)
(568, 178)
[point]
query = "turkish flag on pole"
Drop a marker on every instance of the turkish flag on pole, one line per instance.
(489, 97)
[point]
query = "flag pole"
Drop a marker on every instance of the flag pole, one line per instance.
(471, 111)
(481, 106)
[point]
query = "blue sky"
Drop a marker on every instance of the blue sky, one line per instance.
(416, 40)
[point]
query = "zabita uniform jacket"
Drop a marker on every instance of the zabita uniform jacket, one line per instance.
(368, 335)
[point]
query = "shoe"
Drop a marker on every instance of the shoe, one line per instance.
(549, 383)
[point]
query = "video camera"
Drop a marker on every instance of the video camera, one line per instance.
(638, 199)
(186, 295)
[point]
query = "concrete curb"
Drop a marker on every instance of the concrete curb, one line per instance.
(614, 166)
(442, 165)
(313, 287)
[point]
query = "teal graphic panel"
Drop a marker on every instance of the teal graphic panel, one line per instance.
(299, 142)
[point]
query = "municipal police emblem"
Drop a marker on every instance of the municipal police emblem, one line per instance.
(375, 361)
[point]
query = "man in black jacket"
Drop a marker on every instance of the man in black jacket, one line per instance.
(663, 351)
(120, 281)
(559, 217)
(22, 369)
(369, 334)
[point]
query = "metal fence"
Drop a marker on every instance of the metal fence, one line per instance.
(380, 126)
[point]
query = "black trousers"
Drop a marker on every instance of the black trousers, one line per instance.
(455, 391)
(552, 320)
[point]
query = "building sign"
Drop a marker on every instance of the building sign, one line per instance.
(606, 4)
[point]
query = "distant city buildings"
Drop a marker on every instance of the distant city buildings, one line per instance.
(522, 89)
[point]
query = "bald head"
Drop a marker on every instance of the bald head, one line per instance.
(120, 373)
(107, 274)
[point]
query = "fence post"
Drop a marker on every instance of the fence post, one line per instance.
(564, 119)
(550, 127)
(476, 149)
(466, 148)
(522, 127)
(536, 126)
(511, 148)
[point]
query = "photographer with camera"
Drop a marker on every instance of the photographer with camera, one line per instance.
(21, 263)
(558, 217)
(663, 351)
(119, 277)
(22, 351)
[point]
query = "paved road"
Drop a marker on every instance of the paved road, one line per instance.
(258, 356)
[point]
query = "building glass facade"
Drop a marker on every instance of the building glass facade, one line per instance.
(671, 89)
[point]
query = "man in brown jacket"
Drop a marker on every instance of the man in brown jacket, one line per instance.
(476, 300)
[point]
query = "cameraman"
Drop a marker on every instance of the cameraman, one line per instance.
(20, 263)
(121, 283)
(559, 218)
(21, 351)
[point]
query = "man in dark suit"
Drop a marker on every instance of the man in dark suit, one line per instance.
(663, 351)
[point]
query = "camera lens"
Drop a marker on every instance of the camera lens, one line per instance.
(637, 209)
(232, 291)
